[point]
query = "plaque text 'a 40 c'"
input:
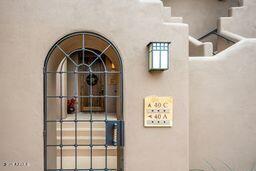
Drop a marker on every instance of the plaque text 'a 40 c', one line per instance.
(158, 111)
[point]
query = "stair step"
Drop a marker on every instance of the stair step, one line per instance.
(81, 132)
(95, 116)
(81, 129)
(98, 162)
(82, 139)
(81, 125)
(86, 151)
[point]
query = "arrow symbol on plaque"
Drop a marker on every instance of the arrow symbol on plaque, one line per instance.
(150, 116)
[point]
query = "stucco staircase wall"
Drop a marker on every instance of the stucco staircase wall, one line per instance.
(220, 44)
(222, 105)
(241, 21)
(222, 109)
(166, 12)
(229, 27)
(197, 46)
(240, 24)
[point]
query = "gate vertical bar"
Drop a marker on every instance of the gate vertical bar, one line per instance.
(91, 120)
(45, 117)
(76, 120)
(61, 120)
(106, 113)
(83, 48)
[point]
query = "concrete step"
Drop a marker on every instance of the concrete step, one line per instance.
(98, 162)
(81, 125)
(94, 116)
(81, 139)
(86, 151)
(81, 132)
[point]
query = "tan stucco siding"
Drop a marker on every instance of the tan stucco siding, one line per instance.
(29, 29)
(222, 108)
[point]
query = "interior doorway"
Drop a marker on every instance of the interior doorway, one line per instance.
(83, 118)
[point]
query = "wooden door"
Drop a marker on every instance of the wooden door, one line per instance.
(92, 84)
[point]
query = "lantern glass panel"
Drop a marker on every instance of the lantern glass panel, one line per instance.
(164, 60)
(156, 59)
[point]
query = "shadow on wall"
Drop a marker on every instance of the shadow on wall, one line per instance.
(221, 165)
(200, 15)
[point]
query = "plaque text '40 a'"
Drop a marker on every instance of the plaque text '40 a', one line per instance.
(158, 111)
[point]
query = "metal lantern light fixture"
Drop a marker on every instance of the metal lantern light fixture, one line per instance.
(158, 54)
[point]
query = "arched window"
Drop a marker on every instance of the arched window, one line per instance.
(83, 111)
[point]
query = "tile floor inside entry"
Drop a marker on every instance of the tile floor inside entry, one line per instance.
(102, 157)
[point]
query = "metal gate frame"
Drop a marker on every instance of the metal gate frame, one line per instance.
(120, 128)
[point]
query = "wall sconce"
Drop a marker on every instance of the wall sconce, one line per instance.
(158, 54)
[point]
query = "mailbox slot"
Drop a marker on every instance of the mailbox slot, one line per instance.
(115, 133)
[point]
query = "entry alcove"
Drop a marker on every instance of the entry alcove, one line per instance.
(83, 71)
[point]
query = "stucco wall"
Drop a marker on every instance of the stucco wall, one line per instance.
(223, 109)
(200, 15)
(29, 29)
(242, 21)
(197, 48)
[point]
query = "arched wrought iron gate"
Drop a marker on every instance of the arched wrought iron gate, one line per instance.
(83, 105)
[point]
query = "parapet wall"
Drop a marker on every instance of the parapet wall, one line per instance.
(223, 109)
(241, 21)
